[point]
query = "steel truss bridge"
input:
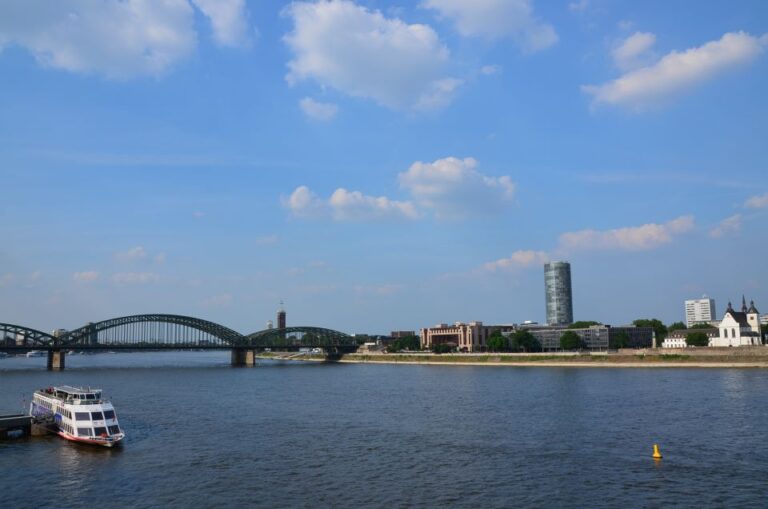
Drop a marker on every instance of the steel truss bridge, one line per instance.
(170, 332)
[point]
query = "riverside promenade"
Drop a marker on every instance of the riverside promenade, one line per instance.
(743, 357)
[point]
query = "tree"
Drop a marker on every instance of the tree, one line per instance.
(676, 326)
(497, 342)
(658, 328)
(411, 343)
(701, 326)
(570, 341)
(697, 339)
(523, 340)
(620, 340)
(441, 348)
(583, 324)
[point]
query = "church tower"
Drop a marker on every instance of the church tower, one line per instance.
(753, 318)
(281, 316)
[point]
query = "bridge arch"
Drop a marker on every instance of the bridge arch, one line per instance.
(153, 329)
(17, 335)
(297, 337)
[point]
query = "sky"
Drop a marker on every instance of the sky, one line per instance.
(380, 165)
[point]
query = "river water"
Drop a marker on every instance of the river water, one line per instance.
(289, 434)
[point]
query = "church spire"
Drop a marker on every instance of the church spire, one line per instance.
(743, 304)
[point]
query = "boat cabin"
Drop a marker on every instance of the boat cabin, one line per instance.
(76, 395)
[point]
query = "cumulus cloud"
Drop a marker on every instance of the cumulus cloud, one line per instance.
(365, 54)
(89, 275)
(135, 278)
(496, 19)
(633, 238)
(678, 71)
(757, 202)
(116, 38)
(318, 110)
(229, 19)
(519, 259)
(453, 187)
(346, 205)
(634, 51)
(727, 226)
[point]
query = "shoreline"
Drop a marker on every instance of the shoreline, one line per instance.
(550, 361)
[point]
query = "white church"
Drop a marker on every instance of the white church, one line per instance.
(739, 328)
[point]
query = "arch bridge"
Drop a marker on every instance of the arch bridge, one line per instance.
(170, 332)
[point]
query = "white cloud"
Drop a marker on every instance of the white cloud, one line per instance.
(135, 278)
(135, 253)
(365, 54)
(579, 6)
(757, 202)
(453, 187)
(116, 38)
(198, 214)
(489, 70)
(677, 71)
(89, 275)
(496, 19)
(160, 258)
(346, 205)
(632, 238)
(726, 226)
(229, 19)
(318, 110)
(519, 259)
(634, 51)
(439, 94)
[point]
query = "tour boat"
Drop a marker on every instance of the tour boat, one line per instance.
(80, 415)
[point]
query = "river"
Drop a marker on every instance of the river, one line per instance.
(291, 434)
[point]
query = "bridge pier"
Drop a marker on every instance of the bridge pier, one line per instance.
(56, 360)
(243, 357)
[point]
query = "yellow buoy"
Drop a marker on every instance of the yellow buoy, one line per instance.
(656, 453)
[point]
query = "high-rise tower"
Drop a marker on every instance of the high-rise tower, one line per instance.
(281, 316)
(557, 286)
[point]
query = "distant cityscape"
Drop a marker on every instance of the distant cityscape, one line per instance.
(701, 327)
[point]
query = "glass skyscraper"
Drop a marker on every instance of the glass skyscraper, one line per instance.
(557, 286)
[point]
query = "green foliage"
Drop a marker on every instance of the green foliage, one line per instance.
(570, 341)
(497, 342)
(583, 324)
(658, 327)
(701, 326)
(523, 341)
(442, 348)
(696, 339)
(676, 326)
(410, 343)
(620, 340)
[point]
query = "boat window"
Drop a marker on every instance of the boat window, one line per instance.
(85, 432)
(90, 396)
(97, 416)
(109, 414)
(82, 416)
(113, 430)
(100, 432)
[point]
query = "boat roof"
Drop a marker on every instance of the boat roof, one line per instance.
(75, 390)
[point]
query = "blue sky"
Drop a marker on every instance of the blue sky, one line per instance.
(379, 165)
